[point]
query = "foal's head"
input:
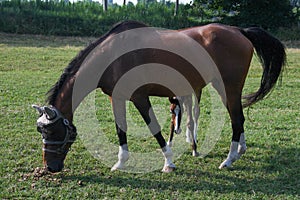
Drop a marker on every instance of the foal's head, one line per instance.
(58, 135)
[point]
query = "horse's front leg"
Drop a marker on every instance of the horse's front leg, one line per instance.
(119, 111)
(144, 107)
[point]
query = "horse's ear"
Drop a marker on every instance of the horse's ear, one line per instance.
(38, 108)
(50, 113)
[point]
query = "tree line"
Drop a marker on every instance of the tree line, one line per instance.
(88, 18)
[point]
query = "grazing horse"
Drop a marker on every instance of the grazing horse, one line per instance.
(229, 49)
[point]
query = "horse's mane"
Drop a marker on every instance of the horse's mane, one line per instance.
(76, 62)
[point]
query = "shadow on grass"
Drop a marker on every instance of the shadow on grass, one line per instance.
(277, 174)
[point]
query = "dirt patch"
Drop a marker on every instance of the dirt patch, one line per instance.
(39, 172)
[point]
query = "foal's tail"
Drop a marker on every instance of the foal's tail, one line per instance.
(271, 53)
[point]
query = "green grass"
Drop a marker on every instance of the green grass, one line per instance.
(29, 65)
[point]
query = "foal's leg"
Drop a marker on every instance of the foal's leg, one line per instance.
(238, 144)
(144, 107)
(119, 110)
(196, 114)
(192, 122)
(188, 104)
(175, 119)
(172, 125)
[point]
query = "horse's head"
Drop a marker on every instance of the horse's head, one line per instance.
(58, 135)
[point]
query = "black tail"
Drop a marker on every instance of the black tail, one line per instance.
(271, 53)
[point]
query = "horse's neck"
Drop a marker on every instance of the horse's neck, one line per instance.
(63, 100)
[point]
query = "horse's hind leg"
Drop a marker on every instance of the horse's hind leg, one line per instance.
(238, 144)
(144, 107)
(119, 110)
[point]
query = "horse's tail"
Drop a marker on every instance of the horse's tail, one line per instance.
(271, 54)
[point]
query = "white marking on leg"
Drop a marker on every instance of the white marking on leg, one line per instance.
(232, 155)
(242, 145)
(123, 156)
(169, 166)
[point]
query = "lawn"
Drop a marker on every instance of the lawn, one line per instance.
(30, 65)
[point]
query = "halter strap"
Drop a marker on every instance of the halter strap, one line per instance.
(60, 150)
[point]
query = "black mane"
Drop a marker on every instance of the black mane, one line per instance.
(76, 62)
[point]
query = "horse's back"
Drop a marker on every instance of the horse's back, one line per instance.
(229, 48)
(212, 33)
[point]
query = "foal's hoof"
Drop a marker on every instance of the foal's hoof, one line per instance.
(178, 131)
(196, 154)
(168, 169)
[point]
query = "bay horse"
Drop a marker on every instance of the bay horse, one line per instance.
(229, 49)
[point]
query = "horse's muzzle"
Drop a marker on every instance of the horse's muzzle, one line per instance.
(55, 166)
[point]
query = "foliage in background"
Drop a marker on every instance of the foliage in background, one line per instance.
(85, 18)
(82, 18)
(269, 14)
(265, 13)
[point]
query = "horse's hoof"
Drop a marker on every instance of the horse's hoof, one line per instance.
(168, 169)
(116, 167)
(222, 166)
(113, 169)
(225, 164)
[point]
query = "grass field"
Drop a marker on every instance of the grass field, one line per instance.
(29, 65)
